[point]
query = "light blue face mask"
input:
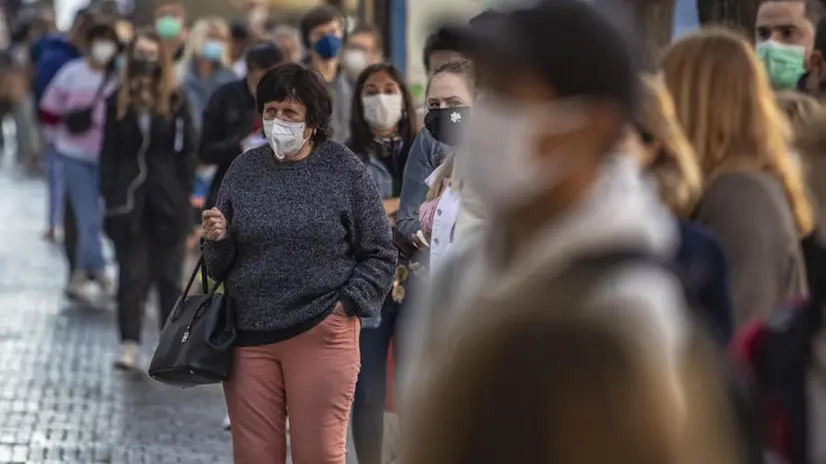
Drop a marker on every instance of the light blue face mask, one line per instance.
(213, 50)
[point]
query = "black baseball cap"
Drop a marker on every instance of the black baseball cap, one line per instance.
(577, 48)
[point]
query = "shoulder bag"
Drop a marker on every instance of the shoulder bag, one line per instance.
(80, 120)
(197, 341)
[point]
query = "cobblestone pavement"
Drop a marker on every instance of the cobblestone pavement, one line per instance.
(60, 399)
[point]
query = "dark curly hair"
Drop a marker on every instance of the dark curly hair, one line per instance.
(362, 140)
(291, 81)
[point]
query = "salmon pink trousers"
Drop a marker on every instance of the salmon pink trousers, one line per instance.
(313, 375)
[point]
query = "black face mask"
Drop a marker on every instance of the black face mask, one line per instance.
(141, 67)
(447, 124)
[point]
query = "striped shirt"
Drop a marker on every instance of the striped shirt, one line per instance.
(75, 87)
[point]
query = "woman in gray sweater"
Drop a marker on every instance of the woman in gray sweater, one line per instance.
(755, 200)
(300, 237)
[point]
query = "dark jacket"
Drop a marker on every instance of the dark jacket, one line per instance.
(146, 178)
(228, 120)
(50, 54)
(705, 274)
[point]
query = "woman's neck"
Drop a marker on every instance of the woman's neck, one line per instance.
(205, 68)
(327, 68)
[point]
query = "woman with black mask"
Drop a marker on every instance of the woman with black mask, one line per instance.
(450, 95)
(147, 170)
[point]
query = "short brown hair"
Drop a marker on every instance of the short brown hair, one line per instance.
(370, 29)
(318, 16)
(815, 11)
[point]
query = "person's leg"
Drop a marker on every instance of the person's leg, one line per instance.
(134, 279)
(134, 283)
(371, 388)
(320, 370)
(256, 403)
(69, 233)
(54, 179)
(82, 183)
(166, 268)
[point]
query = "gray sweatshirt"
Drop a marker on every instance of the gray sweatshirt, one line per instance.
(302, 236)
(750, 215)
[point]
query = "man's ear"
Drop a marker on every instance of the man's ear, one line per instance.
(815, 61)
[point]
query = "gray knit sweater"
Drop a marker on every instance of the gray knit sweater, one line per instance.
(302, 236)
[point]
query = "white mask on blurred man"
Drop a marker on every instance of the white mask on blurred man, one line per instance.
(355, 61)
(383, 111)
(502, 167)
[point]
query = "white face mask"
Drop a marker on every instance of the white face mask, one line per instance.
(502, 167)
(285, 138)
(355, 61)
(103, 51)
(383, 111)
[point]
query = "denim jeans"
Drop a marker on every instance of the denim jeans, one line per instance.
(54, 179)
(82, 180)
(371, 388)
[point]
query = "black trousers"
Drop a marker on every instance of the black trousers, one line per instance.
(142, 262)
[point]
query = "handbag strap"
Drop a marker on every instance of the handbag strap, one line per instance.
(201, 266)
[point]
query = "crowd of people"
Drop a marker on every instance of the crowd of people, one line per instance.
(553, 243)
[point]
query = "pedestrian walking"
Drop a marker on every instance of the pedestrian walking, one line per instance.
(382, 127)
(755, 198)
(74, 105)
(302, 243)
(147, 165)
(206, 64)
(49, 55)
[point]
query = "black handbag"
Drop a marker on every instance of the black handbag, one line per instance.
(79, 121)
(197, 341)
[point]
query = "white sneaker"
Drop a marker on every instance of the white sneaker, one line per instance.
(227, 425)
(129, 354)
(107, 285)
(76, 289)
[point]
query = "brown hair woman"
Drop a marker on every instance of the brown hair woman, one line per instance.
(754, 198)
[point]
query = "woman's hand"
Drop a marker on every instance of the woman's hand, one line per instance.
(214, 224)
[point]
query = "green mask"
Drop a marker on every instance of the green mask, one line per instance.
(784, 63)
(168, 27)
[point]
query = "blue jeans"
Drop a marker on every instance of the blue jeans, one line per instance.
(371, 387)
(82, 180)
(54, 182)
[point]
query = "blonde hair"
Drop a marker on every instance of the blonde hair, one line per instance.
(675, 164)
(166, 84)
(567, 387)
(198, 37)
(727, 109)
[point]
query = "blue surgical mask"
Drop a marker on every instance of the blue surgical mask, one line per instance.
(213, 50)
(328, 46)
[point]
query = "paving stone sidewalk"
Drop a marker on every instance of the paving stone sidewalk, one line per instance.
(60, 399)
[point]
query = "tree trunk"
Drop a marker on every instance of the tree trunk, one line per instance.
(655, 18)
(737, 14)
